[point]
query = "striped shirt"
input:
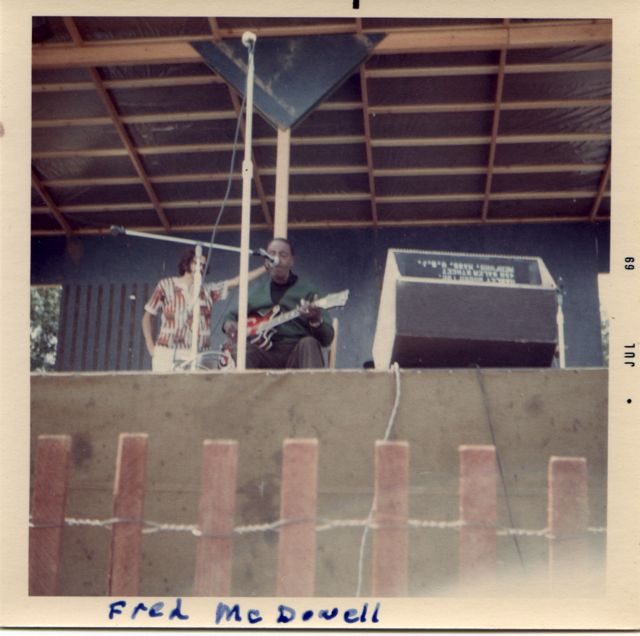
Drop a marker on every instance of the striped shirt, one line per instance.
(175, 302)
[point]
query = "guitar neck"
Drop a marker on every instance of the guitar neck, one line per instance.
(332, 300)
(282, 318)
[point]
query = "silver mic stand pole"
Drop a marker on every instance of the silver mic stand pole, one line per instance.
(249, 40)
(195, 327)
(560, 323)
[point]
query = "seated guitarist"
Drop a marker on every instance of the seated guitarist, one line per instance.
(297, 343)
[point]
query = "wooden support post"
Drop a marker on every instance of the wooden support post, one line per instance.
(216, 518)
(53, 453)
(333, 349)
(391, 536)
(568, 515)
(128, 499)
(297, 545)
(478, 509)
(281, 215)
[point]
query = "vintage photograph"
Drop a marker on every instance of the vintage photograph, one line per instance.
(319, 315)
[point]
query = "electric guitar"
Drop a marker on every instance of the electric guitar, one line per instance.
(260, 328)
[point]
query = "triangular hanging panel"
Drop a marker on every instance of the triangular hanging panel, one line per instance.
(293, 75)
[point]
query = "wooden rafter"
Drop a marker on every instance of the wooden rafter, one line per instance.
(495, 37)
(51, 205)
(368, 149)
(349, 25)
(515, 169)
(373, 73)
(329, 141)
(487, 69)
(289, 31)
(339, 197)
(364, 97)
(604, 179)
(327, 225)
(417, 109)
(121, 130)
(405, 109)
(494, 133)
(333, 169)
(139, 82)
(482, 140)
(486, 37)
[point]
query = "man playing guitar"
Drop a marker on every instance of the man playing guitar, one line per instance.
(297, 342)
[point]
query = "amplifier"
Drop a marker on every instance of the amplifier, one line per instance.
(445, 309)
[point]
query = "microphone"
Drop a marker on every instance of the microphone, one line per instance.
(117, 229)
(273, 260)
(249, 39)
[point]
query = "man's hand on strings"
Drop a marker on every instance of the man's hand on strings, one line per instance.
(311, 312)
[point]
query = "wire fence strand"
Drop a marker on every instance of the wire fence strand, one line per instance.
(321, 525)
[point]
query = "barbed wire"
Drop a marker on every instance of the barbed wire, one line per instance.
(321, 525)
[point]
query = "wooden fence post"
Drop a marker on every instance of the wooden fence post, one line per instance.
(478, 511)
(297, 544)
(128, 500)
(568, 517)
(216, 518)
(391, 535)
(53, 454)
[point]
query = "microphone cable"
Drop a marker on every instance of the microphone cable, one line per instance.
(222, 205)
(229, 180)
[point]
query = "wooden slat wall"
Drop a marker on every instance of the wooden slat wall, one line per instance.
(99, 328)
(568, 517)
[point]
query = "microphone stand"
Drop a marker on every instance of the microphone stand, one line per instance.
(249, 40)
(195, 326)
(119, 229)
(560, 323)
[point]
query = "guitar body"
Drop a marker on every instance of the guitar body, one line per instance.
(260, 330)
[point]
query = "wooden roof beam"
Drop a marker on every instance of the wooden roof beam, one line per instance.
(484, 139)
(451, 107)
(335, 196)
(373, 73)
(368, 148)
(364, 98)
(334, 169)
(510, 36)
(51, 205)
(121, 130)
(315, 225)
(528, 35)
(604, 179)
(393, 142)
(487, 69)
(494, 133)
(377, 110)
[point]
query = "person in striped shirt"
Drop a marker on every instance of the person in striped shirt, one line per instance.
(173, 298)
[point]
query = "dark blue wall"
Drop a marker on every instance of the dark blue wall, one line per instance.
(354, 259)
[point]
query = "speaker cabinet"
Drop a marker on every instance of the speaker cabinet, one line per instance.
(440, 309)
